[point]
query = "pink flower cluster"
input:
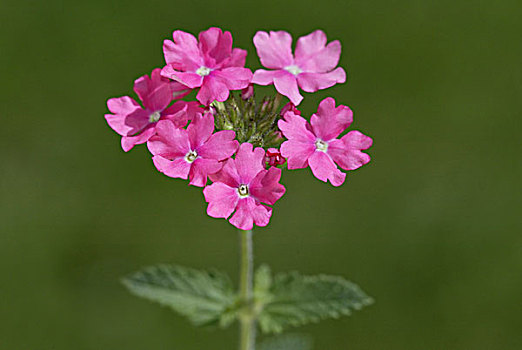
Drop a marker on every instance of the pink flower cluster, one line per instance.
(244, 179)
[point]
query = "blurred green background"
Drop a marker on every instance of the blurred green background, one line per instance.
(431, 228)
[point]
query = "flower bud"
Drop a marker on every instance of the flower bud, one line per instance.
(273, 157)
(247, 92)
(289, 107)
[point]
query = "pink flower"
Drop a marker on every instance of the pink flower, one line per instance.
(136, 124)
(316, 145)
(241, 186)
(193, 153)
(312, 68)
(210, 64)
(273, 157)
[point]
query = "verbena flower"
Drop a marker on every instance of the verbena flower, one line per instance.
(210, 64)
(238, 140)
(242, 185)
(136, 124)
(193, 153)
(315, 144)
(312, 67)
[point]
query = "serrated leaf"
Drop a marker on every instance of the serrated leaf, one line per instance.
(204, 297)
(296, 300)
(287, 342)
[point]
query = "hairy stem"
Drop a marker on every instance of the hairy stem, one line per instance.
(247, 317)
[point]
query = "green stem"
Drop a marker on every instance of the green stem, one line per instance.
(247, 317)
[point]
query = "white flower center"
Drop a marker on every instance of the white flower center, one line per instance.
(320, 145)
(154, 117)
(295, 70)
(191, 156)
(243, 191)
(203, 71)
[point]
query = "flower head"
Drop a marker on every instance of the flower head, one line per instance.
(238, 140)
(137, 124)
(210, 64)
(193, 153)
(312, 67)
(242, 186)
(315, 144)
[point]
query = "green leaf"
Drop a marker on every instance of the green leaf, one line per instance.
(295, 300)
(204, 297)
(287, 342)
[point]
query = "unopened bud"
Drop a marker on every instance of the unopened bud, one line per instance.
(289, 107)
(247, 92)
(273, 157)
(266, 104)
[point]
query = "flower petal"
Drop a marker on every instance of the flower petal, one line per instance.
(310, 44)
(313, 56)
(262, 215)
(301, 141)
(170, 141)
(237, 58)
(183, 53)
(190, 79)
(128, 142)
(177, 114)
(216, 45)
(249, 162)
(346, 152)
(265, 77)
(228, 174)
(177, 168)
(235, 78)
(179, 90)
(312, 82)
(294, 127)
(200, 170)
(222, 200)
(265, 187)
(297, 153)
(330, 121)
(286, 84)
(213, 89)
(155, 92)
(274, 49)
(122, 105)
(200, 130)
(221, 145)
(249, 212)
(325, 169)
(128, 118)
